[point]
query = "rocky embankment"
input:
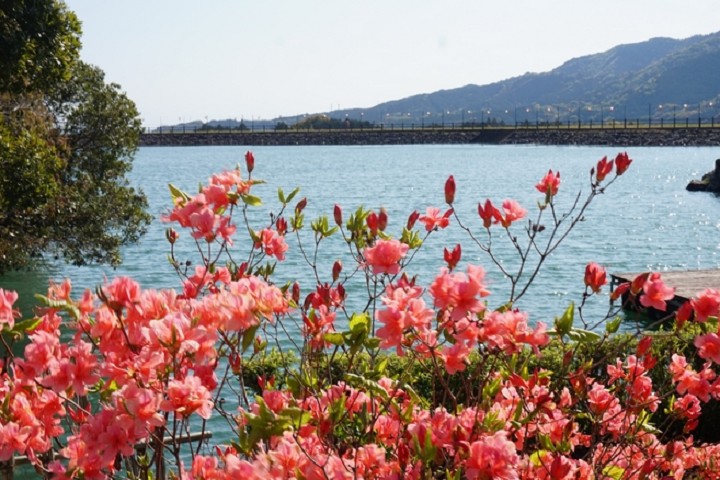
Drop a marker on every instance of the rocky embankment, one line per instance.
(676, 137)
(373, 137)
(624, 137)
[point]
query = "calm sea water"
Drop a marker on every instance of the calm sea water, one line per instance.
(646, 220)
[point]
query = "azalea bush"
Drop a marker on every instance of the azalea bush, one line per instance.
(427, 378)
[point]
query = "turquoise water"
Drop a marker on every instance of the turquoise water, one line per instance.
(646, 220)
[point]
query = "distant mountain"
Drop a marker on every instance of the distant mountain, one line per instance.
(627, 81)
(660, 78)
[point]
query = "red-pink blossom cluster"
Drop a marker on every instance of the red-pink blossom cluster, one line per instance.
(206, 214)
(385, 256)
(511, 212)
(102, 377)
(271, 243)
(147, 353)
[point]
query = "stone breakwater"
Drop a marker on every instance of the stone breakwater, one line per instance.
(373, 137)
(500, 136)
(651, 137)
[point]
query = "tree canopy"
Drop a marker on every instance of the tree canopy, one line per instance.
(67, 139)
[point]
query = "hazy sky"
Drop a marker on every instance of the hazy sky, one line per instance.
(184, 60)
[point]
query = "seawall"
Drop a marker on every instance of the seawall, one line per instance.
(705, 136)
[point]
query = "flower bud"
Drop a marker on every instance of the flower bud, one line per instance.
(242, 269)
(450, 190)
(337, 268)
(382, 219)
(622, 162)
(249, 161)
(372, 222)
(309, 300)
(683, 314)
(452, 257)
(643, 345)
(296, 292)
(235, 362)
(301, 205)
(281, 226)
(604, 168)
(412, 219)
(337, 214)
(172, 235)
(595, 277)
(257, 344)
(487, 213)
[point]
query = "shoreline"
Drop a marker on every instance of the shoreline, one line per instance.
(680, 137)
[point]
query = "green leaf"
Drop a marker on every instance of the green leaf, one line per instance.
(614, 472)
(492, 388)
(536, 458)
(334, 338)
(298, 416)
(372, 343)
(281, 196)
(177, 193)
(381, 366)
(249, 337)
(292, 195)
(564, 323)
(24, 326)
(62, 305)
(583, 336)
(251, 200)
(359, 323)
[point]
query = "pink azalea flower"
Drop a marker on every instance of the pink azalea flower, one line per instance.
(595, 277)
(656, 293)
(455, 357)
(217, 195)
(185, 209)
(204, 223)
(433, 219)
(272, 243)
(460, 292)
(122, 291)
(708, 347)
(188, 396)
(512, 211)
(688, 406)
(706, 304)
(601, 399)
(385, 255)
(7, 313)
(13, 439)
(141, 403)
(549, 184)
(230, 179)
(60, 291)
(493, 456)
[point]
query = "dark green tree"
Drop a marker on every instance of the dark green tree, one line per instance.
(67, 140)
